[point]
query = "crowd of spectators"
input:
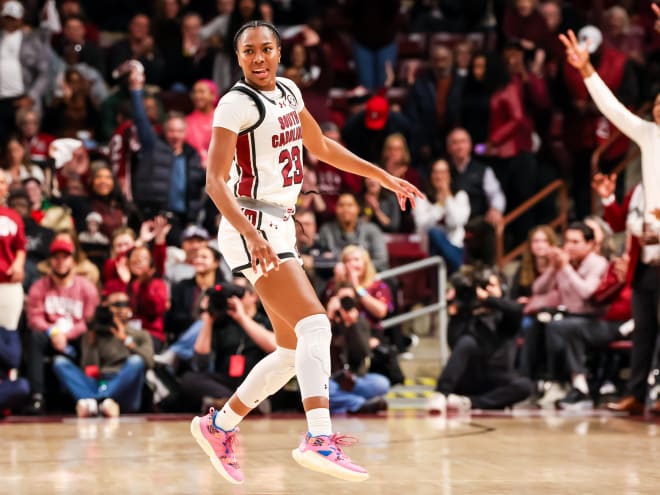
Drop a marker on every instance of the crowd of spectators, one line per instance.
(107, 250)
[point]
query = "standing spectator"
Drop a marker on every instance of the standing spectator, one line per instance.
(352, 388)
(643, 226)
(169, 174)
(441, 218)
(588, 128)
(58, 308)
(139, 45)
(426, 105)
(214, 33)
(38, 238)
(524, 23)
(148, 295)
(12, 260)
(374, 24)
(73, 39)
(199, 123)
(348, 229)
(474, 105)
(191, 60)
(23, 64)
(380, 206)
(115, 355)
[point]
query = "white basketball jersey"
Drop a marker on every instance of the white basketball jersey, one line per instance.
(268, 163)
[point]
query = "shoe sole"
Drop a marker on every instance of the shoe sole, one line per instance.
(316, 462)
(195, 429)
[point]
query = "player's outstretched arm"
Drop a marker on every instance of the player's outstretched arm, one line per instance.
(335, 154)
(221, 154)
(656, 9)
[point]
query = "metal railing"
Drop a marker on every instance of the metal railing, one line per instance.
(439, 307)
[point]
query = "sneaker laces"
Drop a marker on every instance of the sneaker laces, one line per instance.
(339, 441)
(229, 438)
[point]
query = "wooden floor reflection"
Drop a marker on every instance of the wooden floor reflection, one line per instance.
(404, 454)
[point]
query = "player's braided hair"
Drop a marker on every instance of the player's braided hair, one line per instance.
(256, 24)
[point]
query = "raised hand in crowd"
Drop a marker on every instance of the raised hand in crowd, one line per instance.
(656, 9)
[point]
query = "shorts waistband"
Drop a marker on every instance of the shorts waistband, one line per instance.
(282, 212)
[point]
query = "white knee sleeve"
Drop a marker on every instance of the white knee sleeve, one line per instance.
(268, 376)
(313, 355)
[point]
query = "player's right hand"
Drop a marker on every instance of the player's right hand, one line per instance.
(261, 253)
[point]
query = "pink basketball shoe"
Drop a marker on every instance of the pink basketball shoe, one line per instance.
(323, 454)
(218, 445)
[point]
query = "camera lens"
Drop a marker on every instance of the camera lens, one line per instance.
(347, 303)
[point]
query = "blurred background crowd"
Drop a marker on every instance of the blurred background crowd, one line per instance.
(113, 296)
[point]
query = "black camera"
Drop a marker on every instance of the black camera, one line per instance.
(219, 295)
(465, 283)
(347, 303)
(103, 321)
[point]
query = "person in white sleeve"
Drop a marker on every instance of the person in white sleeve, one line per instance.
(254, 176)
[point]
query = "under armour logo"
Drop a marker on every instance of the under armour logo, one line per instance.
(272, 225)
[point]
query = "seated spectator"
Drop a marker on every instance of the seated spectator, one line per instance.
(535, 261)
(74, 113)
(199, 123)
(482, 335)
(352, 388)
(139, 45)
(38, 238)
(523, 22)
(309, 197)
(192, 240)
(317, 260)
(566, 286)
(92, 234)
(17, 162)
(231, 342)
(330, 181)
(183, 317)
(73, 39)
(104, 197)
(299, 68)
(374, 296)
(115, 356)
(380, 206)
(59, 306)
(440, 219)
(28, 121)
(575, 337)
(72, 168)
(124, 239)
(348, 229)
(81, 265)
(147, 292)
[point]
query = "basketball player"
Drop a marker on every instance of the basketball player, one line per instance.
(254, 175)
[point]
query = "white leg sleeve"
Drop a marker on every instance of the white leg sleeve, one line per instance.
(313, 355)
(268, 376)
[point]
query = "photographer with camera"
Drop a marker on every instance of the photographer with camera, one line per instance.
(235, 335)
(115, 354)
(352, 389)
(482, 333)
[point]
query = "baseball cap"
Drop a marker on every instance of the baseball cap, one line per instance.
(591, 34)
(61, 246)
(376, 112)
(195, 231)
(13, 9)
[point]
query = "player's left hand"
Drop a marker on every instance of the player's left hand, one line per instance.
(403, 189)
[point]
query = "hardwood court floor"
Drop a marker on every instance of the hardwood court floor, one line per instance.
(406, 454)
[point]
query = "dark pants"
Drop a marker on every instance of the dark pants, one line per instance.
(645, 309)
(517, 177)
(40, 347)
(468, 373)
(198, 385)
(572, 335)
(12, 393)
(7, 116)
